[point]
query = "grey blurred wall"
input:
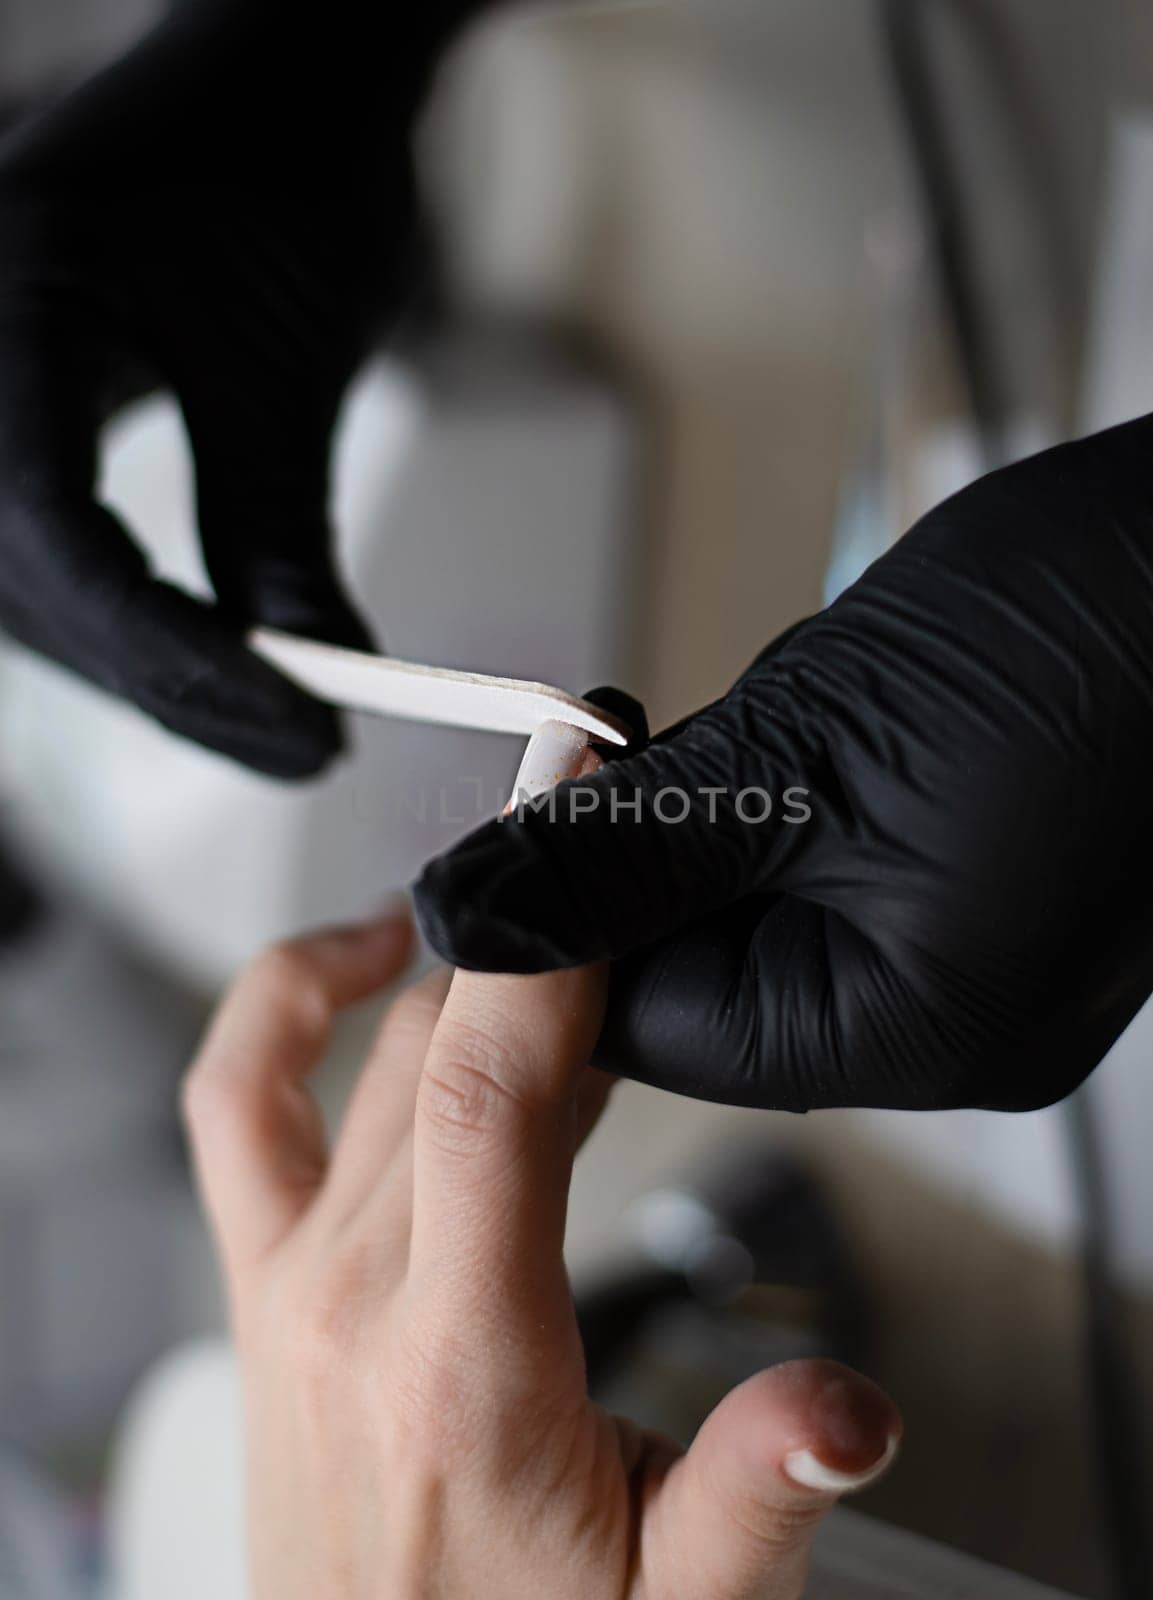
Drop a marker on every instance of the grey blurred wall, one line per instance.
(44, 40)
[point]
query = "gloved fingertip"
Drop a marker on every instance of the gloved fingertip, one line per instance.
(466, 940)
(626, 709)
(452, 910)
(206, 685)
(336, 623)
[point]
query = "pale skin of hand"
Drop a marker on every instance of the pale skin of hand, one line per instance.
(418, 1423)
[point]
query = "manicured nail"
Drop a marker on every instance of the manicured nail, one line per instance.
(555, 751)
(803, 1467)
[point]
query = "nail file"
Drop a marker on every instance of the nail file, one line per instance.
(363, 682)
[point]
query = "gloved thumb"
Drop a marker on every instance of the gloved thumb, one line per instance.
(604, 864)
(736, 1517)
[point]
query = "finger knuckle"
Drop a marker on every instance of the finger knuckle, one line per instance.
(478, 1041)
(464, 1105)
(318, 1363)
(778, 1529)
(285, 975)
(324, 1325)
(316, 1346)
(207, 1097)
(432, 1392)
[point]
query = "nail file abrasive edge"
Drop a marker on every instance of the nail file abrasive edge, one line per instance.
(363, 682)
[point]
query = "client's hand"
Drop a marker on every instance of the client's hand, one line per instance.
(418, 1421)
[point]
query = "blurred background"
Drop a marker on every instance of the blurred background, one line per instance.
(732, 290)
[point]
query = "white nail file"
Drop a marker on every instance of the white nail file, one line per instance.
(364, 682)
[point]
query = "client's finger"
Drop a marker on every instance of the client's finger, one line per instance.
(593, 1092)
(257, 1137)
(736, 1517)
(495, 1134)
(378, 1123)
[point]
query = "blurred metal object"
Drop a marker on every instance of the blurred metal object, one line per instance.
(1111, 1378)
(964, 92)
(732, 1270)
(21, 901)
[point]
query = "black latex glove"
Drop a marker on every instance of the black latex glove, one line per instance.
(227, 210)
(967, 918)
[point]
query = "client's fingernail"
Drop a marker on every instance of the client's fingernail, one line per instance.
(556, 751)
(803, 1467)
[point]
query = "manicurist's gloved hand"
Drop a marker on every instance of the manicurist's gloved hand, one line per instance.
(415, 1403)
(964, 918)
(227, 211)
